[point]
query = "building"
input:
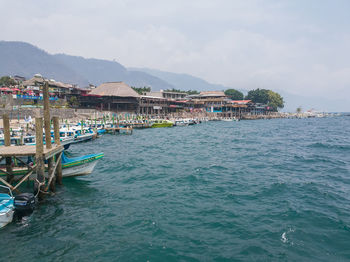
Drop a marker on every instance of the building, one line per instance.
(56, 89)
(167, 94)
(111, 96)
(210, 101)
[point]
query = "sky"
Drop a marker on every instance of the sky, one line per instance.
(297, 46)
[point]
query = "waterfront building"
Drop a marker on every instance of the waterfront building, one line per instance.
(210, 101)
(119, 97)
(111, 96)
(172, 95)
(57, 89)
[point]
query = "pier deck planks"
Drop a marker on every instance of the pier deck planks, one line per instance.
(13, 151)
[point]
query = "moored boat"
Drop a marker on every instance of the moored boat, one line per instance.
(6, 207)
(79, 166)
(229, 119)
(181, 123)
(161, 123)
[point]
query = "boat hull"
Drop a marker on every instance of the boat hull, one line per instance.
(157, 125)
(83, 138)
(6, 211)
(75, 168)
(81, 170)
(6, 218)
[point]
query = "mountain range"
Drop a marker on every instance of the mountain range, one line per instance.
(24, 59)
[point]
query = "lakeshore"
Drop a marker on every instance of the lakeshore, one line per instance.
(19, 118)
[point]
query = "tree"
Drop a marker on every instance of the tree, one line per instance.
(189, 92)
(174, 90)
(258, 96)
(275, 100)
(73, 101)
(299, 109)
(7, 81)
(265, 96)
(192, 92)
(234, 94)
(141, 90)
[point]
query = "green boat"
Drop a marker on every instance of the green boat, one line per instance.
(161, 123)
(77, 166)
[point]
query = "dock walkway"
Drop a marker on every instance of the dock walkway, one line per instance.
(18, 151)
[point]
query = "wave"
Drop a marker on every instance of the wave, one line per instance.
(320, 145)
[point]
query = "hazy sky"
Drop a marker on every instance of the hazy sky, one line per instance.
(297, 45)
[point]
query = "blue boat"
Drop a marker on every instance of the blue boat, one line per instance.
(6, 207)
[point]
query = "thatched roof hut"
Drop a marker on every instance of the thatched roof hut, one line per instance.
(119, 89)
(39, 80)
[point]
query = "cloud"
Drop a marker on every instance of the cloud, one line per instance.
(245, 44)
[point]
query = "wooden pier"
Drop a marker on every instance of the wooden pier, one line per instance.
(51, 153)
(20, 151)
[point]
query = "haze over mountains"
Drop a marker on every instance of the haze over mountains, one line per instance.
(20, 58)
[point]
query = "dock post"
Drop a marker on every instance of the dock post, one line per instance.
(7, 138)
(39, 157)
(47, 119)
(56, 127)
(47, 126)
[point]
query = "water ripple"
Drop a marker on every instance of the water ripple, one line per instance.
(242, 191)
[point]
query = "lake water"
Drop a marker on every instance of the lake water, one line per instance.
(266, 190)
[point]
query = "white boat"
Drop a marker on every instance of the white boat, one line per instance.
(181, 123)
(71, 166)
(6, 207)
(79, 166)
(66, 141)
(84, 137)
(189, 121)
(81, 135)
(229, 119)
(82, 170)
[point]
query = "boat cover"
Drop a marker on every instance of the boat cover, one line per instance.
(67, 160)
(5, 202)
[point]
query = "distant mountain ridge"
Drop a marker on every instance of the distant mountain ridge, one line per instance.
(20, 58)
(184, 81)
(98, 71)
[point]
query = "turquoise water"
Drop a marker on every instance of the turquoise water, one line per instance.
(266, 190)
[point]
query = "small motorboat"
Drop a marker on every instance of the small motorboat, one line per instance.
(161, 123)
(71, 166)
(79, 166)
(84, 136)
(181, 123)
(6, 207)
(15, 208)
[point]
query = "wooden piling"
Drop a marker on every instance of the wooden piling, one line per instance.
(7, 138)
(47, 118)
(56, 128)
(6, 124)
(40, 168)
(47, 126)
